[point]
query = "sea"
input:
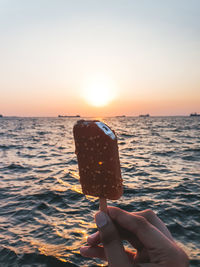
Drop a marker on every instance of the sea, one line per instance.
(45, 218)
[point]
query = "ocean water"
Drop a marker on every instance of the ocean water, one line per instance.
(44, 218)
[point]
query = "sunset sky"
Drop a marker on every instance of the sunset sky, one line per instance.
(99, 57)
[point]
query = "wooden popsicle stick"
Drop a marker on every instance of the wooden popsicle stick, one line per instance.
(103, 205)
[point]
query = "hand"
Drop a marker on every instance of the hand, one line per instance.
(150, 237)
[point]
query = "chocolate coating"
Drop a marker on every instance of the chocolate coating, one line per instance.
(98, 160)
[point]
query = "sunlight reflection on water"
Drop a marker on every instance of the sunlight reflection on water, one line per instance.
(43, 210)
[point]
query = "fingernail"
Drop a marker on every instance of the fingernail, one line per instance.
(101, 219)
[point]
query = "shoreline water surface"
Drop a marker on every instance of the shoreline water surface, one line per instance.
(44, 218)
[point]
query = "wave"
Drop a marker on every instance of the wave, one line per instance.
(191, 158)
(7, 147)
(9, 258)
(191, 150)
(124, 135)
(42, 206)
(43, 132)
(164, 154)
(16, 167)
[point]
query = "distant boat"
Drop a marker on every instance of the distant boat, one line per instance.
(67, 116)
(144, 115)
(1, 116)
(194, 115)
(121, 116)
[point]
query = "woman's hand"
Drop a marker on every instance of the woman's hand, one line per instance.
(143, 230)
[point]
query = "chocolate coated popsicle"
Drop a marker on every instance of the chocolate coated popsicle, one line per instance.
(98, 159)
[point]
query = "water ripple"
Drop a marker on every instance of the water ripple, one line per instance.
(45, 218)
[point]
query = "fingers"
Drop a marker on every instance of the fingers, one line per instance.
(98, 252)
(93, 242)
(149, 215)
(94, 239)
(149, 236)
(112, 243)
(147, 233)
(154, 220)
(93, 252)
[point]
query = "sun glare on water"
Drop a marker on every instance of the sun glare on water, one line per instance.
(99, 91)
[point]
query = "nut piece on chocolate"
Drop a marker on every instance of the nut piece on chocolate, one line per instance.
(98, 159)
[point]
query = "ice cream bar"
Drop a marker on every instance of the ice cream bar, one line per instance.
(98, 159)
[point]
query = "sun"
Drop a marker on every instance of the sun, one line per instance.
(99, 91)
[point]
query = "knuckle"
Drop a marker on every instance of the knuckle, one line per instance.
(149, 213)
(141, 222)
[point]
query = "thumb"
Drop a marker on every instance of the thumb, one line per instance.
(112, 243)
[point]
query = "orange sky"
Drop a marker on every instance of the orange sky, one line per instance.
(145, 55)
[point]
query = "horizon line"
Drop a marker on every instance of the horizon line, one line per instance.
(76, 117)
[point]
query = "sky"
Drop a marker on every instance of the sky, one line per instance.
(99, 57)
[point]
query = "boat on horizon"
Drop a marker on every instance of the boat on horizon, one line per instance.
(144, 115)
(120, 116)
(194, 114)
(68, 116)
